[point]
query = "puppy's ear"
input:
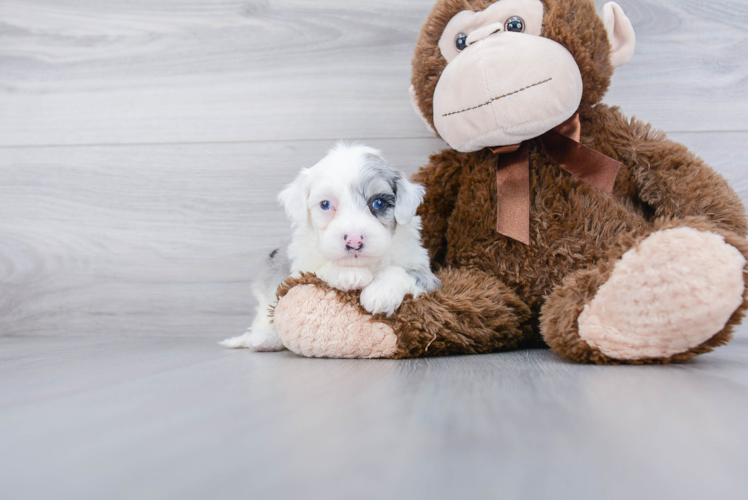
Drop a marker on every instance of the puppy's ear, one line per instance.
(407, 199)
(294, 198)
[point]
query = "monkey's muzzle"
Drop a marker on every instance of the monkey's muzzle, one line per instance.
(505, 89)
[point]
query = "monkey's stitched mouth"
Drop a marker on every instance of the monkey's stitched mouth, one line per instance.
(497, 98)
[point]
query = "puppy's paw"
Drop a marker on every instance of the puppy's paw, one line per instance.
(382, 296)
(261, 338)
(351, 278)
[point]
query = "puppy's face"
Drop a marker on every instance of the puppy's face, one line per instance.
(352, 201)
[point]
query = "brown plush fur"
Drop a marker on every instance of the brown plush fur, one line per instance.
(562, 308)
(574, 24)
(473, 313)
(501, 294)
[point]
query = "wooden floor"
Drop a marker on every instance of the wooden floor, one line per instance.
(156, 418)
(142, 144)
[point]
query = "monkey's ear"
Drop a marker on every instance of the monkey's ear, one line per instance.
(620, 34)
(294, 199)
(417, 109)
(409, 196)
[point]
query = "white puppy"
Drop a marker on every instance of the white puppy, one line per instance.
(354, 224)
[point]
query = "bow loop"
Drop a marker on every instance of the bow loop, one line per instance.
(513, 174)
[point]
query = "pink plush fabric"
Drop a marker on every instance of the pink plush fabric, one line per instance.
(673, 292)
(314, 323)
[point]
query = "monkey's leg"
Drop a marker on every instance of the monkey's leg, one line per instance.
(661, 297)
(472, 313)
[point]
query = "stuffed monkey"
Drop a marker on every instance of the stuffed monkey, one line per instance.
(552, 219)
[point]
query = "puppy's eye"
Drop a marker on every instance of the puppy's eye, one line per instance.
(515, 24)
(461, 42)
(378, 204)
(324, 205)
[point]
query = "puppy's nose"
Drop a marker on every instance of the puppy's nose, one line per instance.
(354, 242)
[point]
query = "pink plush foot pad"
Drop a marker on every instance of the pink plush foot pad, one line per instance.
(669, 295)
(313, 322)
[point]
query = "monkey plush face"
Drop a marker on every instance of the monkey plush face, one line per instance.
(514, 69)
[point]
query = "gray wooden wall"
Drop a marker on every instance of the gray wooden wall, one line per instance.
(142, 143)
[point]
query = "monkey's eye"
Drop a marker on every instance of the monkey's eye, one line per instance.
(324, 205)
(515, 24)
(378, 204)
(461, 42)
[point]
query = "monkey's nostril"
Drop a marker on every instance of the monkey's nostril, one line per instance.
(345, 236)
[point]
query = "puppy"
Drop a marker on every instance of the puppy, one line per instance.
(354, 225)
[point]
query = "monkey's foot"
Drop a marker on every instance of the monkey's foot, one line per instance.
(666, 299)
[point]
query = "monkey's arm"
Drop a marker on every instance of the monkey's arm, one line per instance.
(474, 312)
(441, 178)
(666, 177)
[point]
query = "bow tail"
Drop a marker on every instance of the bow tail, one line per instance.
(594, 168)
(513, 174)
(513, 195)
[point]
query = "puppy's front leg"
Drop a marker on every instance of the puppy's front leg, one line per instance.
(386, 292)
(345, 278)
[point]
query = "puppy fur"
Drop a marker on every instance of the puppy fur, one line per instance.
(354, 225)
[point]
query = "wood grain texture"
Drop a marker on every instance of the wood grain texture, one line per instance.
(146, 240)
(142, 144)
(168, 419)
(84, 72)
(164, 240)
(689, 69)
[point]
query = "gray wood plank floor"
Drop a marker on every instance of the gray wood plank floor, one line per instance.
(168, 418)
(141, 147)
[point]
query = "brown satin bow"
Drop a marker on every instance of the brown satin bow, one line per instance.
(513, 174)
